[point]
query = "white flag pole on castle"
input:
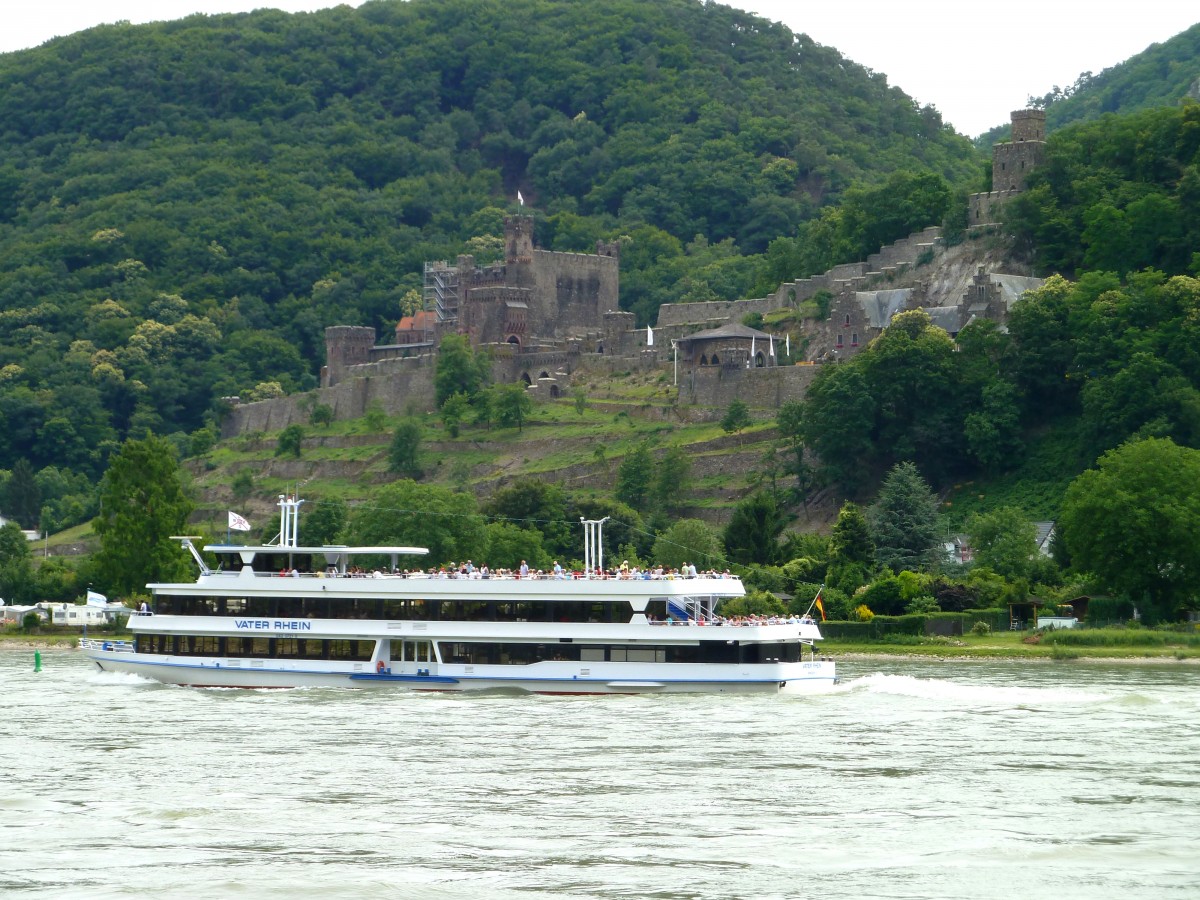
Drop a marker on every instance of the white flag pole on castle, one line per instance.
(772, 346)
(787, 346)
(751, 366)
(649, 336)
(520, 199)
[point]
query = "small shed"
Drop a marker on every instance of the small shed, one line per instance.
(734, 345)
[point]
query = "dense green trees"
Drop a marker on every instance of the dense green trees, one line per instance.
(1132, 521)
(904, 521)
(459, 369)
(289, 442)
(405, 513)
(1004, 540)
(184, 206)
(324, 523)
(16, 567)
(142, 504)
(1160, 76)
(867, 218)
(690, 541)
(1116, 195)
(752, 535)
(737, 417)
(22, 497)
(913, 395)
(1121, 353)
(404, 452)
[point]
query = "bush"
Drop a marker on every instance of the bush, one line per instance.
(922, 604)
(1119, 637)
(981, 629)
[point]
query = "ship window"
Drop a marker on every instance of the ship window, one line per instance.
(358, 650)
(637, 654)
(263, 607)
(192, 645)
(591, 654)
(683, 654)
(412, 651)
(235, 606)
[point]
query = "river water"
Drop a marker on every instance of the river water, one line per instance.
(910, 779)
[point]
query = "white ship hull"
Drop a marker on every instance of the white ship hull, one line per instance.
(542, 678)
(567, 633)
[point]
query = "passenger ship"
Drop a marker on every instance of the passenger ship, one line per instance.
(243, 625)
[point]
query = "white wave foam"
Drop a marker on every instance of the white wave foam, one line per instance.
(982, 694)
(118, 678)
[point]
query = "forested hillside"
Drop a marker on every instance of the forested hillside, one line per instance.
(1161, 75)
(1116, 195)
(184, 206)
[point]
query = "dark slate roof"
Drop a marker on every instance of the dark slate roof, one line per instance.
(946, 318)
(732, 330)
(880, 306)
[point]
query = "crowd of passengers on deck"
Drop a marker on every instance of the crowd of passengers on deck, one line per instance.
(791, 619)
(624, 572)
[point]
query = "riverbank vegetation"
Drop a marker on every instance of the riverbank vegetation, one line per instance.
(725, 154)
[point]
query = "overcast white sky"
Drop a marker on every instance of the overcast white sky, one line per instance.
(968, 59)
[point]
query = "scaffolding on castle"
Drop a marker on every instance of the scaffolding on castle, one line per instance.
(442, 291)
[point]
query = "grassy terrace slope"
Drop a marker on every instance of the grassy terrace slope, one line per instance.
(582, 451)
(185, 206)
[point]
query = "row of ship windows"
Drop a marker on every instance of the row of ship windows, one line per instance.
(469, 653)
(324, 607)
(703, 652)
(256, 647)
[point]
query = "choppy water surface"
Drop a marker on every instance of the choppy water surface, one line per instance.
(950, 780)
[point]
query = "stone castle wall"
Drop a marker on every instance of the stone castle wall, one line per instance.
(903, 253)
(573, 291)
(712, 312)
(395, 392)
(767, 388)
(986, 209)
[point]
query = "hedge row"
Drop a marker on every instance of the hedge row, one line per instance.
(917, 625)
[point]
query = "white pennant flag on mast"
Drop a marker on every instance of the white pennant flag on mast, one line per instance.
(237, 523)
(772, 346)
(649, 336)
(787, 346)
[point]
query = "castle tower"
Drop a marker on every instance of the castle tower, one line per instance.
(1013, 160)
(518, 239)
(345, 345)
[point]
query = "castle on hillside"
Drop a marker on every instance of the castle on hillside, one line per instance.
(534, 302)
(1012, 162)
(543, 315)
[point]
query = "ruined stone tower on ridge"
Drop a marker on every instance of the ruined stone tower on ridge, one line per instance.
(1012, 162)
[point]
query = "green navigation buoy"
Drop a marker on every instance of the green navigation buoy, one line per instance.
(37, 660)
